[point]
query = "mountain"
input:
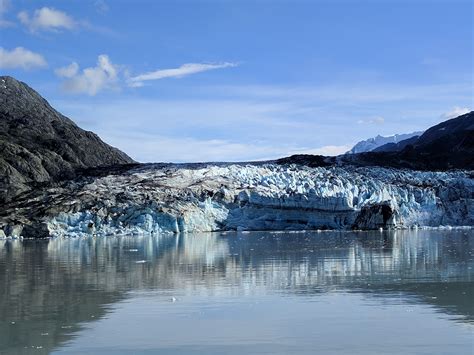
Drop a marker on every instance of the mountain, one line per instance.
(376, 142)
(448, 145)
(396, 147)
(455, 134)
(39, 145)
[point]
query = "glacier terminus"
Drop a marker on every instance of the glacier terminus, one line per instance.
(172, 198)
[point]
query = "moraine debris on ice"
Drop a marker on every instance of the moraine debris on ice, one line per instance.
(199, 198)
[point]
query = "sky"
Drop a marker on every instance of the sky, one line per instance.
(186, 81)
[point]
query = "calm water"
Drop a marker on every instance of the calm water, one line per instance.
(397, 292)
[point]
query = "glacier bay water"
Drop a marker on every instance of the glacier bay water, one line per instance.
(259, 292)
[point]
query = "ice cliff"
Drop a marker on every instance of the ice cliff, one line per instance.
(189, 198)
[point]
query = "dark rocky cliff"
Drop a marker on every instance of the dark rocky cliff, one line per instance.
(39, 145)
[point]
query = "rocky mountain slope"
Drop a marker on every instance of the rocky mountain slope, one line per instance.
(397, 147)
(39, 145)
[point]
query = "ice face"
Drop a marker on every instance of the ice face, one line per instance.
(266, 197)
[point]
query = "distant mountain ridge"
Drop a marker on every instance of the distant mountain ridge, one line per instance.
(38, 144)
(372, 144)
(448, 145)
(396, 147)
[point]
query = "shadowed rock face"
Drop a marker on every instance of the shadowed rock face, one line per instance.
(39, 145)
(396, 147)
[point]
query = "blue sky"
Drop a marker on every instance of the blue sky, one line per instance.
(243, 80)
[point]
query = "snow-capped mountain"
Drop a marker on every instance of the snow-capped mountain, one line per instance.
(376, 142)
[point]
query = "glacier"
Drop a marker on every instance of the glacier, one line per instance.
(170, 198)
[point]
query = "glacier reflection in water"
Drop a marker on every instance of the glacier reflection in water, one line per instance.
(240, 292)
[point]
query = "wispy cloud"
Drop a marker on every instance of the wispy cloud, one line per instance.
(101, 6)
(154, 148)
(107, 75)
(328, 150)
(183, 70)
(355, 93)
(191, 149)
(253, 123)
(455, 112)
(21, 58)
(91, 80)
(378, 120)
(47, 19)
(202, 130)
(69, 71)
(4, 7)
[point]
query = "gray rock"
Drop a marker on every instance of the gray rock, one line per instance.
(39, 145)
(36, 230)
(375, 217)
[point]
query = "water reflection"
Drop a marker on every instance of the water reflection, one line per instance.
(51, 289)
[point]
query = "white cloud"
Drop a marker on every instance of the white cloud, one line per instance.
(5, 23)
(183, 70)
(203, 130)
(247, 123)
(455, 112)
(350, 94)
(374, 120)
(4, 7)
(153, 148)
(91, 80)
(146, 147)
(47, 19)
(68, 71)
(107, 75)
(21, 58)
(328, 150)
